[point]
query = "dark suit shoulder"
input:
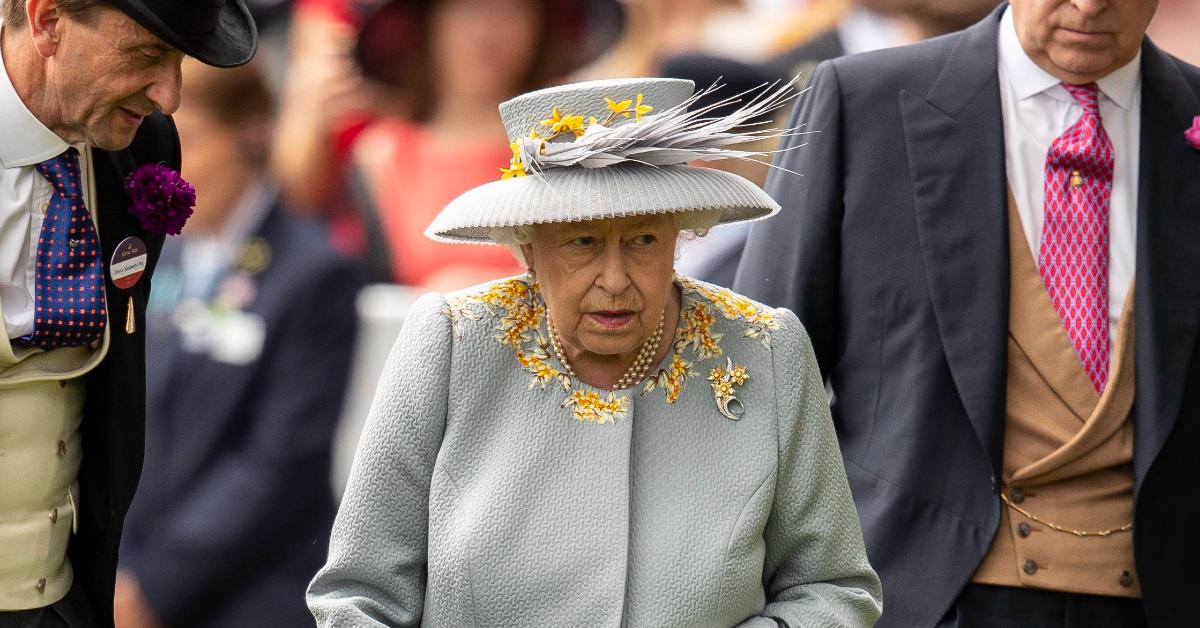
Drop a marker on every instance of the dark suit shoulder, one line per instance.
(913, 67)
(157, 141)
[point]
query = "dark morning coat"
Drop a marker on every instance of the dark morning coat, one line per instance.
(892, 248)
(114, 413)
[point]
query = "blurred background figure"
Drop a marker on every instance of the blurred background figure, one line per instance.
(324, 103)
(458, 59)
(853, 26)
(1175, 28)
(250, 329)
(657, 30)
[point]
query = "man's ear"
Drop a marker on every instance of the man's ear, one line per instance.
(45, 25)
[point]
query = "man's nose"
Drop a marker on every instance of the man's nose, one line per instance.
(164, 91)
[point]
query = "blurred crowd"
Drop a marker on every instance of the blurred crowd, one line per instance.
(318, 168)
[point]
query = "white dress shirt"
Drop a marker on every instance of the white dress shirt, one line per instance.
(1037, 110)
(24, 196)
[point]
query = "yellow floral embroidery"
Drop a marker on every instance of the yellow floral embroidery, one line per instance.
(696, 331)
(671, 379)
(520, 313)
(537, 362)
(760, 320)
(589, 406)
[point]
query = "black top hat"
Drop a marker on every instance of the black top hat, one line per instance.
(220, 33)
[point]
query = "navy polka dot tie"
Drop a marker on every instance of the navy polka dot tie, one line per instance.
(69, 271)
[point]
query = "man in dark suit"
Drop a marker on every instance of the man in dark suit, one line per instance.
(962, 249)
(249, 341)
(83, 97)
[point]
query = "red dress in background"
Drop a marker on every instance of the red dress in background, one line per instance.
(412, 177)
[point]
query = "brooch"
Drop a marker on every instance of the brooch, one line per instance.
(724, 383)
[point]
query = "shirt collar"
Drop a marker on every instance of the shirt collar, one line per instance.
(24, 140)
(1120, 86)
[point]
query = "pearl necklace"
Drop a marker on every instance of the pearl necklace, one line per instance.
(635, 372)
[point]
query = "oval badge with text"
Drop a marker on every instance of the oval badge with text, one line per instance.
(128, 263)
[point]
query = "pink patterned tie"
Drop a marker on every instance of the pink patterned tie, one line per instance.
(1073, 260)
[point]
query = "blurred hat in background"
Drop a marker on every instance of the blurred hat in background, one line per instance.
(393, 35)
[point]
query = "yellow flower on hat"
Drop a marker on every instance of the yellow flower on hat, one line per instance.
(619, 108)
(516, 167)
(559, 123)
(641, 109)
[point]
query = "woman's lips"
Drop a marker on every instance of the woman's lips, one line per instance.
(611, 319)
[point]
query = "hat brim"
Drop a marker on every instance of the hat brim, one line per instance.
(581, 194)
(232, 43)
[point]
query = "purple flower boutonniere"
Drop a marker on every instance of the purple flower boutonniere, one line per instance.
(1193, 134)
(162, 200)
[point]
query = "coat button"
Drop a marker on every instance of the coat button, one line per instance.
(54, 516)
(1126, 579)
(41, 585)
(1030, 567)
(1023, 529)
(1018, 495)
(62, 448)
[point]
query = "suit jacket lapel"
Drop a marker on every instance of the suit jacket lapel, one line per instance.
(1167, 293)
(955, 138)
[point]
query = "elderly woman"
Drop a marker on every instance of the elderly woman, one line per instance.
(600, 442)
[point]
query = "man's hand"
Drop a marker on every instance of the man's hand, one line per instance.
(130, 609)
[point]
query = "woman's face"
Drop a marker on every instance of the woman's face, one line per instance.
(484, 48)
(605, 282)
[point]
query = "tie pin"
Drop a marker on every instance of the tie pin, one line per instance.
(73, 243)
(1076, 179)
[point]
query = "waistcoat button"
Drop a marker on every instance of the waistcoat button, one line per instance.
(1126, 579)
(1018, 495)
(1023, 529)
(1030, 567)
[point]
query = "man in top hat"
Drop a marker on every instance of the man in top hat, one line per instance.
(85, 95)
(993, 247)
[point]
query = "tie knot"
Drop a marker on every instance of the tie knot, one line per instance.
(63, 173)
(1088, 97)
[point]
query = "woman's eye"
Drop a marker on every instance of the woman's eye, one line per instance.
(645, 239)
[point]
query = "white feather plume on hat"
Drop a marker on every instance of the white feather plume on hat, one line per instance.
(570, 166)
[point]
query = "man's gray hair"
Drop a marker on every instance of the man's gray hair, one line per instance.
(14, 10)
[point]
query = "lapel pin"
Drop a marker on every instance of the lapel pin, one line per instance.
(126, 269)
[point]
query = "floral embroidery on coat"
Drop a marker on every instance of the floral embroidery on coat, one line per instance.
(518, 307)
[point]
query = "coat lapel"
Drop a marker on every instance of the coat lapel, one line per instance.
(1167, 293)
(955, 137)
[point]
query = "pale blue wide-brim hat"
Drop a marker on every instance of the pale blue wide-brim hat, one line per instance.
(613, 149)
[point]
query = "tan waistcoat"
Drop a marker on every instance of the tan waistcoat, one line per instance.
(1068, 452)
(41, 407)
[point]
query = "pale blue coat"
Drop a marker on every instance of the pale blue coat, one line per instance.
(478, 499)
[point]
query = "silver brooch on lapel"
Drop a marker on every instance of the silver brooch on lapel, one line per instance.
(725, 382)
